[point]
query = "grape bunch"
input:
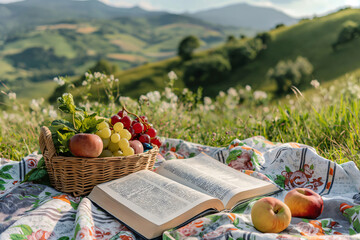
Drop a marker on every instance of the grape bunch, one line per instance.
(123, 136)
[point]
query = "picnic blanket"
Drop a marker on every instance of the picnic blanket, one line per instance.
(35, 211)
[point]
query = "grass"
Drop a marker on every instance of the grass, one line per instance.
(328, 120)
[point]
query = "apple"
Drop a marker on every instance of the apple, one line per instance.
(85, 145)
(304, 203)
(270, 215)
(137, 146)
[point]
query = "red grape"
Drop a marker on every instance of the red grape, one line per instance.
(138, 127)
(122, 113)
(151, 132)
(156, 141)
(126, 120)
(134, 135)
(144, 118)
(144, 138)
(115, 119)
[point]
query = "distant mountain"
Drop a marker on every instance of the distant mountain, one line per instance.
(26, 14)
(245, 15)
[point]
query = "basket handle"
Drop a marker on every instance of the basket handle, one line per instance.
(46, 142)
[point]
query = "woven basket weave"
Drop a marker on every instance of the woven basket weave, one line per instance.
(78, 175)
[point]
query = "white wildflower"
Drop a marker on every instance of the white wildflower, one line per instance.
(207, 101)
(15, 107)
(35, 105)
(86, 74)
(185, 91)
(116, 80)
(153, 96)
(315, 83)
(123, 99)
(248, 88)
(59, 81)
(172, 75)
(97, 75)
(232, 92)
(222, 94)
(143, 98)
(52, 112)
(84, 83)
(12, 96)
(259, 95)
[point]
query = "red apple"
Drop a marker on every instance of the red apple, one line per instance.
(270, 215)
(85, 145)
(304, 203)
(137, 146)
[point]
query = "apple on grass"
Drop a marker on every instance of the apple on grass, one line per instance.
(85, 145)
(270, 215)
(304, 203)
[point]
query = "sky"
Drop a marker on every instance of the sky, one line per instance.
(295, 8)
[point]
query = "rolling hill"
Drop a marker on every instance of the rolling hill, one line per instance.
(245, 15)
(42, 39)
(312, 39)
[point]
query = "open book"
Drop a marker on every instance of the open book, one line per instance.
(151, 203)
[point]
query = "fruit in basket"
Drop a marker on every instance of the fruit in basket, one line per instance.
(104, 133)
(137, 146)
(304, 203)
(122, 128)
(118, 126)
(124, 133)
(115, 138)
(270, 215)
(106, 153)
(85, 145)
(128, 151)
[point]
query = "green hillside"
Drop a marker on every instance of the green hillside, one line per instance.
(69, 48)
(311, 39)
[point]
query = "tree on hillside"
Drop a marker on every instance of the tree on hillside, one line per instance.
(349, 32)
(240, 55)
(187, 47)
(231, 39)
(104, 66)
(280, 25)
(289, 73)
(265, 37)
(205, 71)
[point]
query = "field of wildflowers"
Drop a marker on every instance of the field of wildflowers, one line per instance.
(325, 117)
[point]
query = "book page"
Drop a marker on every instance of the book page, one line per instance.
(209, 176)
(153, 197)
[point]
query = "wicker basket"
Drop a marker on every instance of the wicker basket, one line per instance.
(78, 175)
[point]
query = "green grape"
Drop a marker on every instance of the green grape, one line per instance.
(118, 153)
(125, 134)
(102, 125)
(98, 133)
(106, 142)
(128, 151)
(115, 138)
(105, 133)
(118, 126)
(113, 146)
(123, 143)
(106, 153)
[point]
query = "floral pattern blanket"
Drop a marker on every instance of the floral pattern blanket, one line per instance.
(35, 211)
